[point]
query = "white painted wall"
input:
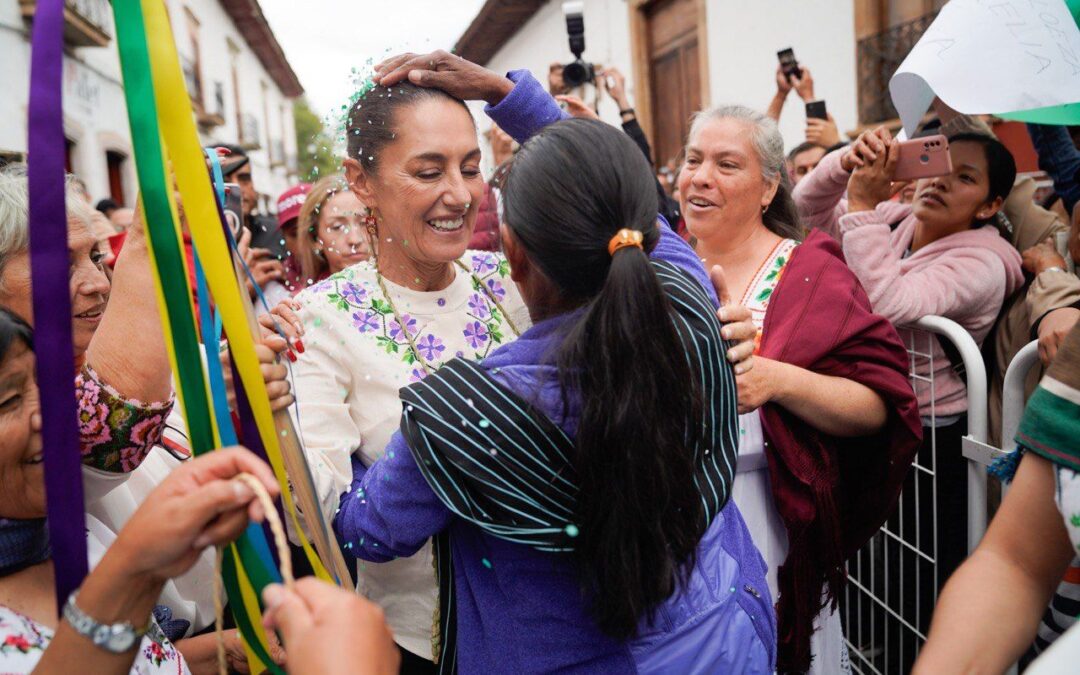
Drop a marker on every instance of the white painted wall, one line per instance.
(743, 38)
(95, 115)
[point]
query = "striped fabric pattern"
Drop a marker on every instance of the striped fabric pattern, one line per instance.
(499, 464)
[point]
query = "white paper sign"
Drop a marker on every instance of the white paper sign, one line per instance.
(991, 56)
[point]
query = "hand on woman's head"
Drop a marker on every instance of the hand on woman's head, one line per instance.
(441, 70)
(197, 505)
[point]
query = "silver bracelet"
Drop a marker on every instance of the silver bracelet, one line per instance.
(115, 638)
(1056, 268)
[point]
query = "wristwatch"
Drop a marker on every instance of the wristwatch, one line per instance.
(115, 638)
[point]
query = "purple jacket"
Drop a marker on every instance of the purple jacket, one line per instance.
(522, 611)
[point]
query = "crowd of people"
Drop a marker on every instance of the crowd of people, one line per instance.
(579, 415)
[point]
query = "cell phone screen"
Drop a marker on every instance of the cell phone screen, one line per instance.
(788, 62)
(816, 110)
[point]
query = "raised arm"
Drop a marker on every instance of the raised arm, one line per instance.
(1005, 586)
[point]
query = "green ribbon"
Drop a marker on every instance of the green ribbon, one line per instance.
(168, 256)
(160, 227)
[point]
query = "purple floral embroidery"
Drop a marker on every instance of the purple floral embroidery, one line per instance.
(476, 334)
(396, 333)
(483, 264)
(365, 322)
(417, 374)
(430, 347)
(496, 289)
(354, 294)
(478, 306)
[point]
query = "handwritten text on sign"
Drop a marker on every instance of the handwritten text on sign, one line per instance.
(991, 56)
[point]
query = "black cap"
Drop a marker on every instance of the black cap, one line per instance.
(235, 160)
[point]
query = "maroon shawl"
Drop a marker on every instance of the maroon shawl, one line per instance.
(832, 493)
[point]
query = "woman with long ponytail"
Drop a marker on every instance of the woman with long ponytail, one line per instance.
(577, 480)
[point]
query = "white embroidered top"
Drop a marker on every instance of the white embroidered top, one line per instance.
(356, 359)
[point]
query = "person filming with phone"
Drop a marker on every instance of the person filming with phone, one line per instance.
(940, 255)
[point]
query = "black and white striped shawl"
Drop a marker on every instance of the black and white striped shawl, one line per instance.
(498, 463)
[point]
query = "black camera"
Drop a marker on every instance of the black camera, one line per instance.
(577, 72)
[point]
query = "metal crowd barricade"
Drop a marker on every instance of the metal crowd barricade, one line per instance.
(893, 581)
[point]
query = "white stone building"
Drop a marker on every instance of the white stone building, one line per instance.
(680, 56)
(239, 79)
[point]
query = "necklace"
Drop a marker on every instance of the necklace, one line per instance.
(410, 339)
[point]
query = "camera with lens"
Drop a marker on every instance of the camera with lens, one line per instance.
(577, 72)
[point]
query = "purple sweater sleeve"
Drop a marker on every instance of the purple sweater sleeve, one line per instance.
(526, 109)
(389, 511)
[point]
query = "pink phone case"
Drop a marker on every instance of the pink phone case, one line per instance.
(923, 158)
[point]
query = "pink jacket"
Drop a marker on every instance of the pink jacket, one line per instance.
(964, 277)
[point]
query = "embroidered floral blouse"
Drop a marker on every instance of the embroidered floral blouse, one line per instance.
(758, 293)
(357, 357)
(116, 433)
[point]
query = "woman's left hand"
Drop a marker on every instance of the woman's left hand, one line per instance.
(196, 506)
(738, 324)
(872, 183)
(758, 386)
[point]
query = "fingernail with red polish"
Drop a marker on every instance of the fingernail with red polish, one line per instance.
(299, 344)
(292, 356)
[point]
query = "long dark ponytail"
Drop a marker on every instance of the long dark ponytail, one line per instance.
(569, 191)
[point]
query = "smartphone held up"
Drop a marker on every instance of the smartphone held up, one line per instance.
(924, 157)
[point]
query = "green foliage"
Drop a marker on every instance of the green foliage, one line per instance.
(315, 149)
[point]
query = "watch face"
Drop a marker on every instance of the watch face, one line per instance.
(121, 639)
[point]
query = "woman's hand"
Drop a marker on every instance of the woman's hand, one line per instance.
(872, 183)
(200, 652)
(783, 84)
(275, 374)
(738, 324)
(577, 108)
(804, 84)
(866, 148)
(822, 132)
(614, 82)
(262, 263)
(1042, 256)
(329, 630)
(758, 386)
(442, 70)
(196, 506)
(284, 314)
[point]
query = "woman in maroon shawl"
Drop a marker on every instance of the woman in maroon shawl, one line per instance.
(830, 423)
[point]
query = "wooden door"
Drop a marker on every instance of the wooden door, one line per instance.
(674, 74)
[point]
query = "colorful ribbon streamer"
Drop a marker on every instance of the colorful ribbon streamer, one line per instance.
(181, 137)
(49, 265)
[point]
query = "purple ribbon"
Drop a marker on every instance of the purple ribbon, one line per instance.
(49, 267)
